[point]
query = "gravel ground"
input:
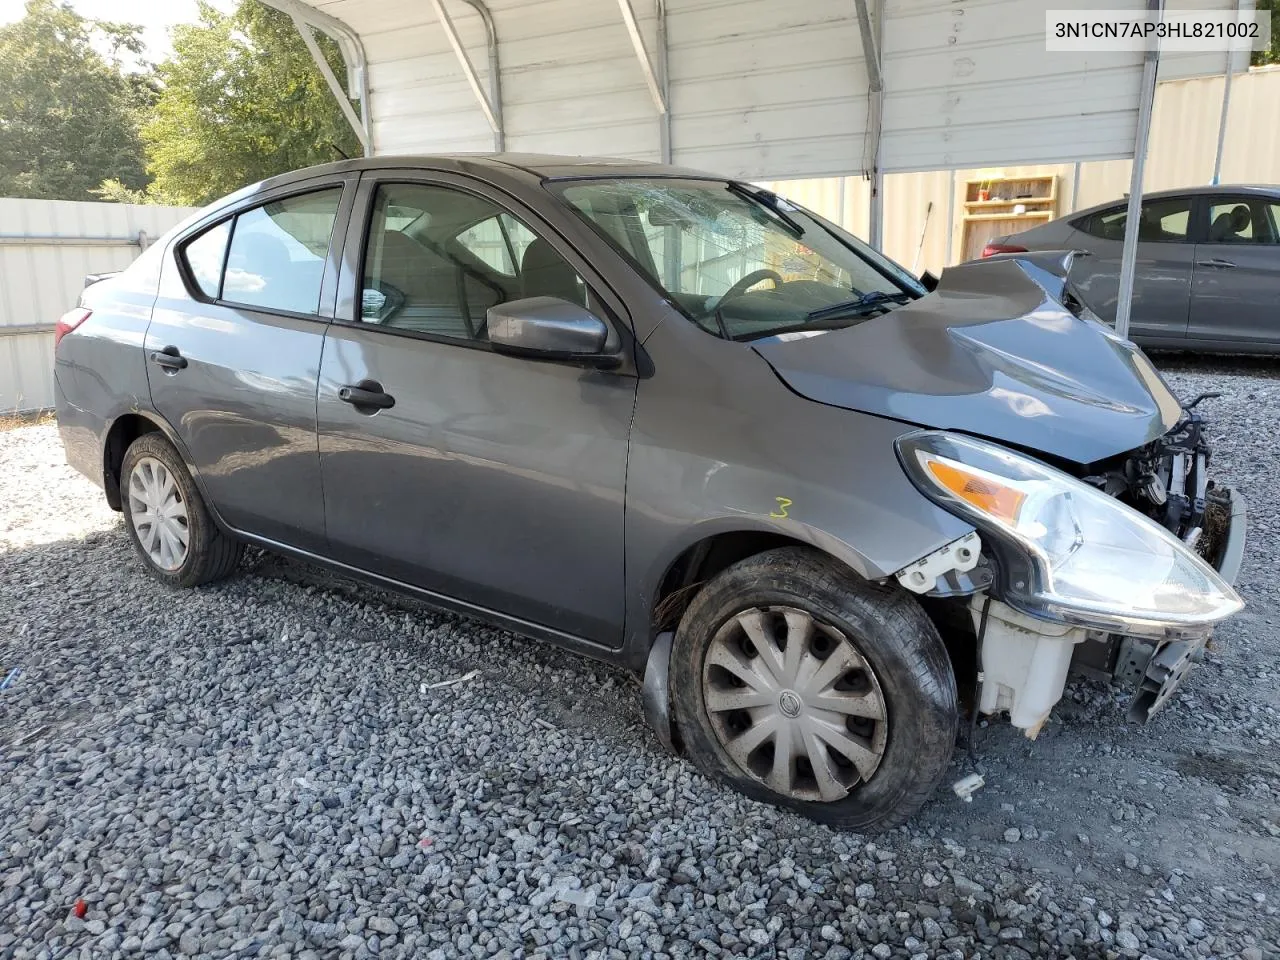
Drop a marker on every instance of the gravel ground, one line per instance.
(262, 768)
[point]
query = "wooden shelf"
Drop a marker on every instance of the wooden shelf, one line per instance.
(984, 219)
(1006, 203)
(1026, 215)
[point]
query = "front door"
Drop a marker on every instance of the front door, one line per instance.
(233, 354)
(1235, 297)
(493, 480)
(1162, 272)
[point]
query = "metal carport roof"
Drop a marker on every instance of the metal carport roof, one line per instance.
(756, 89)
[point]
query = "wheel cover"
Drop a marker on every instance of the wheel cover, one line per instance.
(794, 704)
(158, 514)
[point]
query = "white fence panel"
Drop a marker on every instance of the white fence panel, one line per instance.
(47, 247)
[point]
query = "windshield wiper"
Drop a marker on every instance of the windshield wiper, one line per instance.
(872, 300)
(769, 200)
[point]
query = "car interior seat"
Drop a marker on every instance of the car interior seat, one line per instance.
(1230, 225)
(544, 273)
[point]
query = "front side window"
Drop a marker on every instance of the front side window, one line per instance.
(437, 259)
(1163, 221)
(278, 252)
(1243, 220)
(739, 262)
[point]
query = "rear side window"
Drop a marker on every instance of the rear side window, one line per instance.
(204, 256)
(278, 252)
(1163, 221)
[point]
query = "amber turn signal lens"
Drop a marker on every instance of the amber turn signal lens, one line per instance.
(990, 497)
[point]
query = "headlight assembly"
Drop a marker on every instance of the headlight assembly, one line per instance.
(1068, 552)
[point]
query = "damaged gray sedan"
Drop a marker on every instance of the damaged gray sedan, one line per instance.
(677, 423)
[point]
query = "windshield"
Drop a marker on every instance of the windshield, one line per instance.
(739, 261)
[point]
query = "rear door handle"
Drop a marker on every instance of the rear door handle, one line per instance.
(169, 358)
(1215, 262)
(368, 394)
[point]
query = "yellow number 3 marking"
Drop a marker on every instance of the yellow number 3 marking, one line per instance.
(781, 512)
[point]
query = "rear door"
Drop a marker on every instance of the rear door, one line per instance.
(1162, 275)
(493, 480)
(233, 354)
(1235, 296)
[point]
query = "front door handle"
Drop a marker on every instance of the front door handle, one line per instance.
(1215, 262)
(367, 394)
(170, 359)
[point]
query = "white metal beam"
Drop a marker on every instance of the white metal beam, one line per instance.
(495, 72)
(872, 34)
(1129, 251)
(464, 61)
(344, 103)
(646, 65)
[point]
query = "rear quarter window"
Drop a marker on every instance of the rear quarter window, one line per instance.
(204, 257)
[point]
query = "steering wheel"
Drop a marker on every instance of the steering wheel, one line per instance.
(749, 281)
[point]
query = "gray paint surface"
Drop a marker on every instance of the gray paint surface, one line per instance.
(553, 497)
(988, 352)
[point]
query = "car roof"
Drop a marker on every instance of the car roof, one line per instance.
(545, 165)
(1270, 192)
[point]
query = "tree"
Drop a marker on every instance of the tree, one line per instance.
(69, 116)
(241, 100)
(1262, 57)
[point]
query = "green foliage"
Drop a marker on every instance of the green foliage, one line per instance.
(69, 116)
(116, 192)
(1261, 57)
(240, 101)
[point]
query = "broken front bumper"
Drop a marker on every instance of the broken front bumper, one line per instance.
(1155, 669)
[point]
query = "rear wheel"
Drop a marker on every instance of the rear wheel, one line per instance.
(167, 519)
(803, 685)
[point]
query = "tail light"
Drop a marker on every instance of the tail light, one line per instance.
(68, 322)
(991, 249)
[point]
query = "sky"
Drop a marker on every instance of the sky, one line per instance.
(155, 16)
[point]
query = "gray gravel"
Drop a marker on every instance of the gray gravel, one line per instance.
(261, 769)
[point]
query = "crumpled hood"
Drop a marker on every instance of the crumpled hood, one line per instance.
(990, 352)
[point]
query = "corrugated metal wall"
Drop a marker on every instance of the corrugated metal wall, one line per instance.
(1184, 135)
(758, 88)
(46, 249)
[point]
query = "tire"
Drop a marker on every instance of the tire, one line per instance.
(904, 674)
(209, 553)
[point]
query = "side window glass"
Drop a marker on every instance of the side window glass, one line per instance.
(488, 242)
(204, 256)
(1165, 221)
(1107, 224)
(1239, 221)
(499, 241)
(440, 271)
(278, 252)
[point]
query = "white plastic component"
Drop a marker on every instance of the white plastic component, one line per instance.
(1024, 663)
(962, 555)
(966, 787)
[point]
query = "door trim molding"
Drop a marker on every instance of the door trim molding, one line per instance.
(444, 601)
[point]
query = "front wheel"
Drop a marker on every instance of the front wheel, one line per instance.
(167, 520)
(802, 685)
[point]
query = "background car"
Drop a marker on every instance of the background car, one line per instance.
(1208, 269)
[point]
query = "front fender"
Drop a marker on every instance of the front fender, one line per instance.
(721, 446)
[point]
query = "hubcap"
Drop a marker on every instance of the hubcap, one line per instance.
(158, 513)
(794, 704)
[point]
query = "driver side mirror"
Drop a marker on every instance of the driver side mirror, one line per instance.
(549, 328)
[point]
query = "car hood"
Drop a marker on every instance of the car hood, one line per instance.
(990, 352)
